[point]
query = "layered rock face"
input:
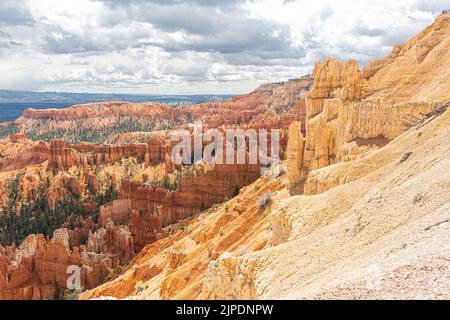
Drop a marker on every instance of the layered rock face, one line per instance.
(144, 212)
(64, 156)
(38, 268)
(374, 203)
(105, 122)
(350, 112)
(18, 152)
(152, 208)
(268, 104)
(103, 110)
(98, 122)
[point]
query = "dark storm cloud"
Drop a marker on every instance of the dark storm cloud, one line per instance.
(171, 43)
(209, 26)
(220, 26)
(14, 13)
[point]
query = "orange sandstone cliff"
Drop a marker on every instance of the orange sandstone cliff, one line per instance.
(145, 211)
(360, 211)
(351, 111)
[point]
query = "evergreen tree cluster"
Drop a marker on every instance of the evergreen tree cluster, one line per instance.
(8, 130)
(165, 183)
(103, 134)
(39, 217)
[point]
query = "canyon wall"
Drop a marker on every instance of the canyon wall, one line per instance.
(147, 209)
(64, 156)
(107, 121)
(18, 152)
(350, 111)
(38, 268)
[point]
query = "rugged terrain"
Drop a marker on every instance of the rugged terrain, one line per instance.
(359, 208)
(96, 205)
(107, 121)
(384, 235)
(370, 213)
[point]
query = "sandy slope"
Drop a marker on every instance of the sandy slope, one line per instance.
(384, 235)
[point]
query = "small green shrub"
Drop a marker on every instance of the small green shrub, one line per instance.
(139, 287)
(118, 270)
(236, 191)
(72, 294)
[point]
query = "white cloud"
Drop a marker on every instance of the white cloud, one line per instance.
(192, 46)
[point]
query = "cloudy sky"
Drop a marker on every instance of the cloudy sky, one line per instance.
(192, 46)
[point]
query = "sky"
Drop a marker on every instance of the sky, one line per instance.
(192, 46)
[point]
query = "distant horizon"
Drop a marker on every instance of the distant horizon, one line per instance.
(123, 94)
(13, 103)
(156, 94)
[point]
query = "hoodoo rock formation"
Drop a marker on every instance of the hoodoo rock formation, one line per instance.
(146, 209)
(153, 208)
(351, 111)
(64, 156)
(363, 191)
(369, 160)
(38, 268)
(116, 240)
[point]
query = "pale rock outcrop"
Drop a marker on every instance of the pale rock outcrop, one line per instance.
(294, 152)
(350, 112)
(229, 269)
(383, 234)
(116, 240)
